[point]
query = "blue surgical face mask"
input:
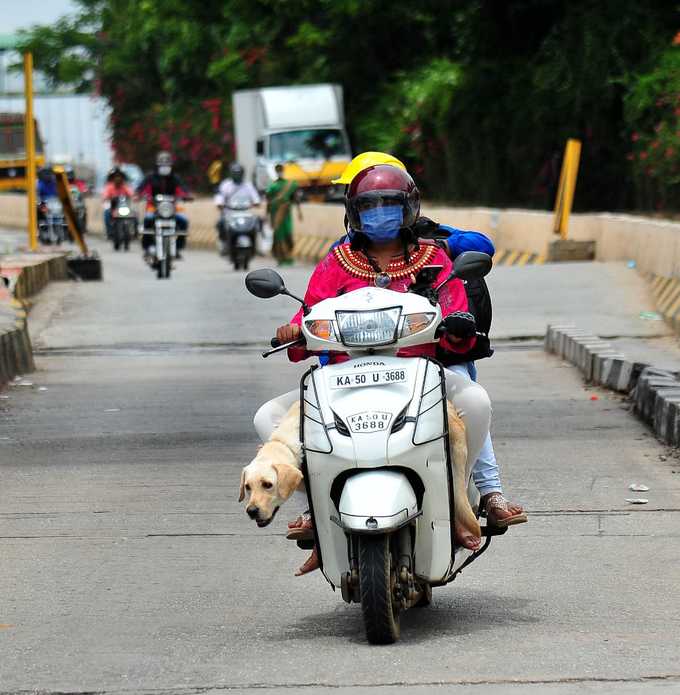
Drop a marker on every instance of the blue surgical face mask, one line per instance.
(382, 224)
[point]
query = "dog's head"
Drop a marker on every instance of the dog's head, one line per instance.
(268, 481)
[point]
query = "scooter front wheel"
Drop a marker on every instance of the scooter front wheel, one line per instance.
(377, 580)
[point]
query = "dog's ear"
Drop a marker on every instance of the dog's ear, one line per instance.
(242, 488)
(289, 478)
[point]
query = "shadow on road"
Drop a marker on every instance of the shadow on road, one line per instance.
(450, 615)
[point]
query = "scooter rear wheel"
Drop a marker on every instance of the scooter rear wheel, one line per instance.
(377, 578)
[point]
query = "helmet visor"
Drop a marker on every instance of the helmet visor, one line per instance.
(370, 200)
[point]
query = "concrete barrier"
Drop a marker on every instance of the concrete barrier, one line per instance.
(654, 392)
(16, 354)
(22, 275)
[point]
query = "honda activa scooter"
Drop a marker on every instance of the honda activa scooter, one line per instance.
(375, 440)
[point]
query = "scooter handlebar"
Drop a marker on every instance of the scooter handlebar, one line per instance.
(278, 346)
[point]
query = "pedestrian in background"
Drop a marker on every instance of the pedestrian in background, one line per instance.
(281, 196)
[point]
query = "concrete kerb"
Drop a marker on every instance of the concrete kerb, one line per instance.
(16, 353)
(26, 276)
(655, 393)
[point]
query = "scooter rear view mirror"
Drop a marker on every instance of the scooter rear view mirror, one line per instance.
(469, 265)
(265, 283)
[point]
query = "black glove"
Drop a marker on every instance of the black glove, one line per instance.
(460, 324)
(425, 228)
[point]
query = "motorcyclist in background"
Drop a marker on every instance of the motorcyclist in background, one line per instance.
(235, 184)
(46, 187)
(229, 188)
(74, 181)
(116, 186)
(163, 181)
(78, 188)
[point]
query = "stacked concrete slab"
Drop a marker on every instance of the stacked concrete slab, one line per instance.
(655, 393)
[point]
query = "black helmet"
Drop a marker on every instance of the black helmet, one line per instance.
(237, 172)
(70, 172)
(116, 171)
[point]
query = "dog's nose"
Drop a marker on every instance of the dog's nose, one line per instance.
(252, 512)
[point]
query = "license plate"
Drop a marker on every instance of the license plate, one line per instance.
(369, 421)
(381, 377)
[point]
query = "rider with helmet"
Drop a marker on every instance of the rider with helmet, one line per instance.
(229, 188)
(163, 181)
(115, 187)
(235, 184)
(382, 206)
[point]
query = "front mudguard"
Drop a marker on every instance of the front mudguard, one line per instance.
(377, 501)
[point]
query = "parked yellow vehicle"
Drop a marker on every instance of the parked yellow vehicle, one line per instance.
(13, 152)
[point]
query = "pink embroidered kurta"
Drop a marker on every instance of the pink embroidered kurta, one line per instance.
(343, 271)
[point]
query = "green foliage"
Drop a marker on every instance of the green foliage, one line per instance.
(652, 112)
(478, 96)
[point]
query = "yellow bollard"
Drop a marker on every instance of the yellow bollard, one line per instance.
(64, 193)
(567, 185)
(29, 141)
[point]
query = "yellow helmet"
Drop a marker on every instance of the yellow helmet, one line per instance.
(363, 161)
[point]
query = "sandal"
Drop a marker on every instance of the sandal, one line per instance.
(495, 502)
(301, 529)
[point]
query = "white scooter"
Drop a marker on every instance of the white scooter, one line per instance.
(374, 431)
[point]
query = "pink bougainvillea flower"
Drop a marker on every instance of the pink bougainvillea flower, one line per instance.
(635, 137)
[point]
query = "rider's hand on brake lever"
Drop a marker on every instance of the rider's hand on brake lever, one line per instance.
(288, 333)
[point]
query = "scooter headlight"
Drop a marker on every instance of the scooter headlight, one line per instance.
(123, 210)
(415, 323)
(368, 328)
(323, 330)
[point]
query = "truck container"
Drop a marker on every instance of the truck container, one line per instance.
(301, 127)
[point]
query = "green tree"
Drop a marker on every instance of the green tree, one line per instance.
(478, 96)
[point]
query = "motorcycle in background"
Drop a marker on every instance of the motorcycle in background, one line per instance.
(123, 222)
(238, 231)
(80, 209)
(52, 228)
(165, 235)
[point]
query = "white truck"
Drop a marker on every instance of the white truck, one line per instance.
(301, 127)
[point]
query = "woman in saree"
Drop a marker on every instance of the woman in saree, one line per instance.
(281, 196)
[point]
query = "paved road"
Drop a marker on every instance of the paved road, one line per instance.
(127, 565)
